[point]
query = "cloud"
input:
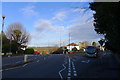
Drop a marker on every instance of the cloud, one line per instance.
(44, 25)
(83, 32)
(59, 16)
(29, 11)
(78, 10)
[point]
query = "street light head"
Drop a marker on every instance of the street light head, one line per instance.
(3, 17)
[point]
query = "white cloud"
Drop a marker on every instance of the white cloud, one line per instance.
(29, 11)
(59, 16)
(83, 32)
(44, 25)
(78, 10)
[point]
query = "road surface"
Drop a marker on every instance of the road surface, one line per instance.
(64, 67)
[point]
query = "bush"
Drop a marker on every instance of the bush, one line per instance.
(74, 49)
(58, 51)
(29, 51)
(21, 51)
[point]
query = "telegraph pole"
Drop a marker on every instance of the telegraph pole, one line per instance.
(69, 41)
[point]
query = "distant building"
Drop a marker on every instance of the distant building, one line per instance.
(81, 45)
(72, 45)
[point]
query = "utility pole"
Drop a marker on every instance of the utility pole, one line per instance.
(69, 41)
(60, 38)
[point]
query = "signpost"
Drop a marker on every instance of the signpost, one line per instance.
(101, 42)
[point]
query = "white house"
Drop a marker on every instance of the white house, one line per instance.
(72, 45)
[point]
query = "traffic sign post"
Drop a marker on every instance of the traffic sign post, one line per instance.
(25, 58)
(101, 42)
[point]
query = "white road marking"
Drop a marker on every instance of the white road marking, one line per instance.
(1, 70)
(75, 74)
(12, 68)
(87, 61)
(69, 70)
(38, 61)
(73, 68)
(69, 74)
(44, 58)
(62, 70)
(68, 78)
(24, 65)
(74, 71)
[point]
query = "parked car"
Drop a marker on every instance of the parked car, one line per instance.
(91, 51)
(36, 52)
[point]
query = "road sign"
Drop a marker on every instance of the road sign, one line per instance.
(101, 42)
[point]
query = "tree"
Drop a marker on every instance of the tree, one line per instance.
(58, 51)
(17, 34)
(107, 22)
(5, 43)
(94, 44)
(74, 49)
(86, 43)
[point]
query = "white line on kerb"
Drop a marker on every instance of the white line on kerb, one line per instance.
(12, 68)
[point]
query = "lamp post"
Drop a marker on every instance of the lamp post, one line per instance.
(3, 17)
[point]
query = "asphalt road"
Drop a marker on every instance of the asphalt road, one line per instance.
(65, 67)
(17, 59)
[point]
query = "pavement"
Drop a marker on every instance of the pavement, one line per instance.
(64, 67)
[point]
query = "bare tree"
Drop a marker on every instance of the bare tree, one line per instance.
(16, 32)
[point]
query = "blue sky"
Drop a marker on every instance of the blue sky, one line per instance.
(50, 22)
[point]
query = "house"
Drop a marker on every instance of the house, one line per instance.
(81, 45)
(72, 45)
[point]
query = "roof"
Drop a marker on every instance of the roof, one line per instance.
(72, 44)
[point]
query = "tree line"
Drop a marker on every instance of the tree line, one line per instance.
(14, 38)
(107, 22)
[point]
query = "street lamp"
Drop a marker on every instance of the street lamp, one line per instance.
(3, 17)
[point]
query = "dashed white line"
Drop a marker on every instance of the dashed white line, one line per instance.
(68, 78)
(73, 68)
(69, 74)
(69, 71)
(74, 71)
(75, 74)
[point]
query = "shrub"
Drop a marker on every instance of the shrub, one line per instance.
(29, 51)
